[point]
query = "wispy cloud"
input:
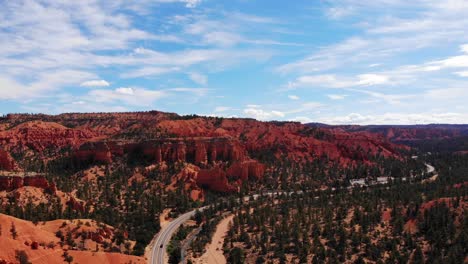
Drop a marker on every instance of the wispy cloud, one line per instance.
(332, 81)
(336, 96)
(198, 78)
(95, 83)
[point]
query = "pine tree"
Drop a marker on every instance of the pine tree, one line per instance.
(13, 232)
(67, 257)
(418, 257)
(22, 257)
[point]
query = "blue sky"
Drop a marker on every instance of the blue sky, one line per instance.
(331, 61)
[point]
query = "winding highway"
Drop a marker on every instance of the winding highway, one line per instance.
(162, 239)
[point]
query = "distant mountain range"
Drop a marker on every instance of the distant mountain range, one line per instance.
(398, 133)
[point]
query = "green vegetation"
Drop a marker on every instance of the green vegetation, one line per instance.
(376, 225)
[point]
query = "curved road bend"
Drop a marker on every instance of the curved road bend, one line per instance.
(162, 239)
(159, 247)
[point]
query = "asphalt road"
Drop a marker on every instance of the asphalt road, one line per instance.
(163, 238)
(158, 250)
(159, 247)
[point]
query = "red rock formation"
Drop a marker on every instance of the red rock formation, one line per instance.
(411, 132)
(194, 150)
(201, 156)
(94, 152)
(246, 169)
(6, 161)
(212, 144)
(10, 183)
(75, 204)
(216, 180)
(39, 135)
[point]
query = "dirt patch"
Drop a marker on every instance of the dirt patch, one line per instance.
(214, 250)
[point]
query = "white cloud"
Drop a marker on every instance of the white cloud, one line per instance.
(396, 119)
(293, 97)
(277, 113)
(59, 44)
(326, 80)
(195, 91)
(462, 73)
(305, 107)
(447, 94)
(372, 79)
(124, 90)
(302, 119)
(452, 62)
(261, 114)
(332, 81)
(198, 78)
(192, 3)
(149, 71)
(222, 109)
(42, 83)
(387, 33)
(10, 89)
(227, 30)
(339, 12)
(351, 50)
(95, 83)
(464, 48)
(129, 96)
(336, 96)
(393, 99)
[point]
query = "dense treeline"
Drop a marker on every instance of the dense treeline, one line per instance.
(132, 206)
(400, 224)
(444, 145)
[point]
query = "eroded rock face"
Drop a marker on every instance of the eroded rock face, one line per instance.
(76, 204)
(247, 169)
(7, 163)
(217, 177)
(195, 150)
(216, 180)
(10, 183)
(94, 152)
(39, 135)
(222, 149)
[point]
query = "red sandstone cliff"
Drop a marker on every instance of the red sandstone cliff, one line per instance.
(38, 135)
(219, 147)
(7, 162)
(10, 183)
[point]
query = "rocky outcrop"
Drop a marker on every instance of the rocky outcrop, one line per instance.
(215, 179)
(247, 169)
(7, 163)
(101, 235)
(98, 152)
(75, 204)
(188, 175)
(222, 149)
(194, 150)
(10, 183)
(409, 132)
(200, 151)
(39, 135)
